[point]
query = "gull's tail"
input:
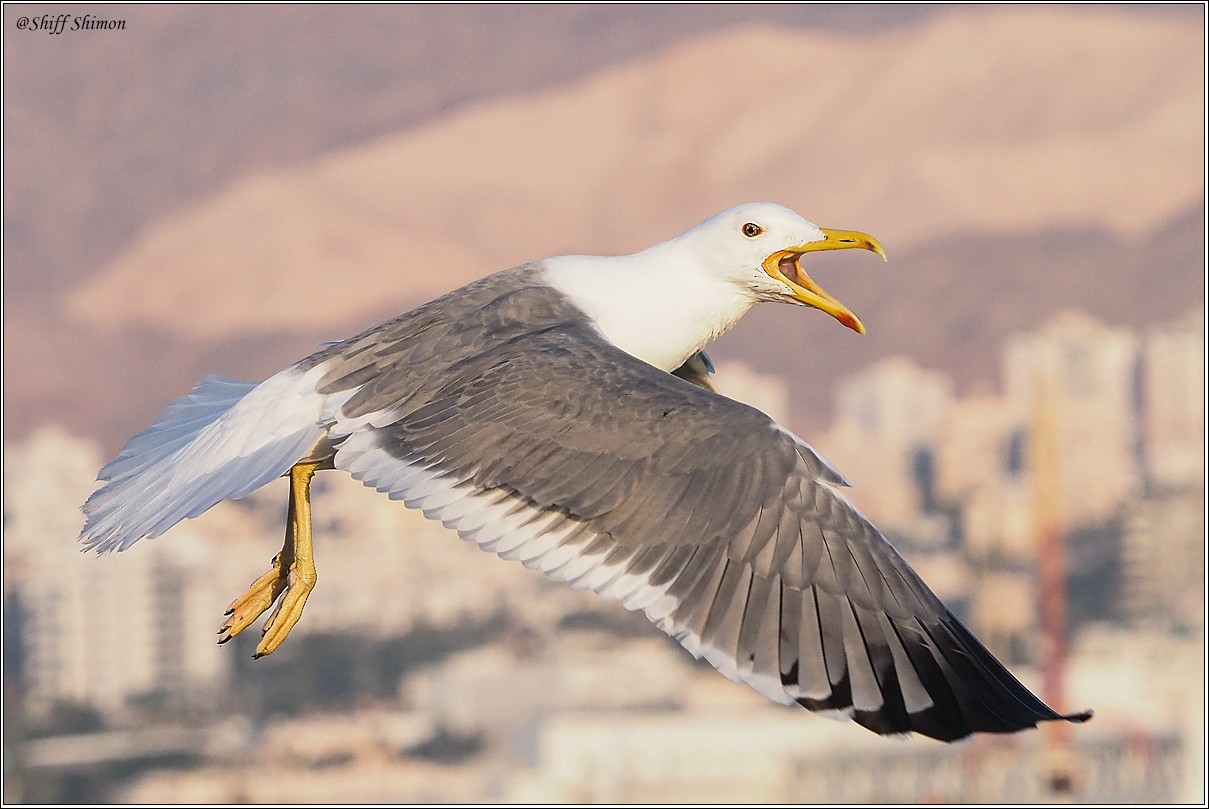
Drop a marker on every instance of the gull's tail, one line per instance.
(223, 440)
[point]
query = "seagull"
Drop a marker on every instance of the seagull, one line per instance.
(561, 414)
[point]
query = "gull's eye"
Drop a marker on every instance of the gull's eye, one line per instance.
(751, 230)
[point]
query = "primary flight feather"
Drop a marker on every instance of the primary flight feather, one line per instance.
(561, 414)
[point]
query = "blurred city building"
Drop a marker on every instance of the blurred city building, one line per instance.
(103, 632)
(1163, 561)
(549, 724)
(570, 698)
(888, 420)
(1085, 374)
(1173, 402)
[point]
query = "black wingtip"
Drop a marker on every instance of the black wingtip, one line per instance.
(1079, 718)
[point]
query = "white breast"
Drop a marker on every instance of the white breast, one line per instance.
(651, 306)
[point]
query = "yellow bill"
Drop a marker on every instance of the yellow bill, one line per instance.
(786, 266)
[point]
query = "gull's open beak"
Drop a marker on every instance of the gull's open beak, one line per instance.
(785, 266)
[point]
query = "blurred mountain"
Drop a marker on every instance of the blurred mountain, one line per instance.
(1014, 160)
(109, 131)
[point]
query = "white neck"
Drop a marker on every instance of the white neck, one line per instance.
(655, 305)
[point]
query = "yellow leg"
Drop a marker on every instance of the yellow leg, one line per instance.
(292, 574)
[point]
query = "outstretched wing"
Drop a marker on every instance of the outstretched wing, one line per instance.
(515, 423)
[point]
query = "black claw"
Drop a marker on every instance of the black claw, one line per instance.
(258, 655)
(221, 641)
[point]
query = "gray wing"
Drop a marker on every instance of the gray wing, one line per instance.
(515, 423)
(698, 369)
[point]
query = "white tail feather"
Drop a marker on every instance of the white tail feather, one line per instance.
(223, 440)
